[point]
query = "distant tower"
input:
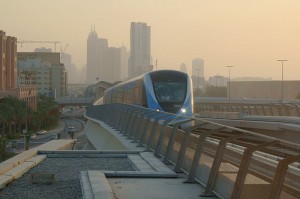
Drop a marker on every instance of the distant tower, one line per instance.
(92, 57)
(198, 73)
(140, 50)
(183, 68)
(124, 63)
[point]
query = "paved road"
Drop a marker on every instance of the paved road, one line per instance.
(41, 139)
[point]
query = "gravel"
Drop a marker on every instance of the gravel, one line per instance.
(67, 171)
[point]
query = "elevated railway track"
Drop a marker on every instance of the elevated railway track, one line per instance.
(185, 141)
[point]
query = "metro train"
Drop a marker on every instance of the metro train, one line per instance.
(162, 90)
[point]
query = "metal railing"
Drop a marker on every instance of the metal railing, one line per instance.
(183, 142)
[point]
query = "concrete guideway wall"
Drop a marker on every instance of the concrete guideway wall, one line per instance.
(219, 176)
(100, 138)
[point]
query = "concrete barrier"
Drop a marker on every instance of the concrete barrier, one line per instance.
(101, 138)
(16, 166)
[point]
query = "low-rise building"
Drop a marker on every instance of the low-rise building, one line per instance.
(265, 89)
(46, 71)
(218, 81)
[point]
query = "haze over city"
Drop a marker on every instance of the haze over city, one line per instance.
(250, 35)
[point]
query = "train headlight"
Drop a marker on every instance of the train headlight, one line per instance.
(157, 110)
(183, 110)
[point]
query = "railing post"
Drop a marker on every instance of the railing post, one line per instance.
(198, 152)
(216, 164)
(122, 118)
(129, 121)
(149, 116)
(184, 145)
(280, 175)
(182, 150)
(172, 140)
(161, 137)
(134, 123)
(118, 115)
(112, 114)
(125, 120)
(151, 137)
(243, 168)
(141, 118)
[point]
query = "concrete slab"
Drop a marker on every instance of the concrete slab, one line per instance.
(94, 185)
(5, 167)
(4, 180)
(155, 163)
(162, 188)
(56, 145)
(37, 159)
(19, 170)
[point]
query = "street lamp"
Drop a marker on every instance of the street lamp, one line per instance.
(27, 81)
(198, 77)
(27, 135)
(229, 67)
(282, 60)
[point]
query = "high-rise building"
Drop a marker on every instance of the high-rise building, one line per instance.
(92, 57)
(124, 63)
(105, 63)
(73, 72)
(140, 49)
(198, 73)
(183, 68)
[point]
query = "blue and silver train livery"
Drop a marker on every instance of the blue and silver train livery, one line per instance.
(163, 90)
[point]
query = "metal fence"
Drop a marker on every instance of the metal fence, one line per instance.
(217, 156)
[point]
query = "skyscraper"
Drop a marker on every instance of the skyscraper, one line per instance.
(183, 68)
(92, 57)
(198, 73)
(140, 49)
(104, 63)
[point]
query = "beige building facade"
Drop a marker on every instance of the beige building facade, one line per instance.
(264, 89)
(47, 73)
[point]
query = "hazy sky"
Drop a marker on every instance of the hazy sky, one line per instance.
(249, 34)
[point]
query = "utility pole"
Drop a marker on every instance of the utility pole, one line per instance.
(229, 97)
(282, 60)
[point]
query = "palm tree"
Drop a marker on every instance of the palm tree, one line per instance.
(6, 115)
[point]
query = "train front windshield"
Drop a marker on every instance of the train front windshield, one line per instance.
(170, 88)
(170, 91)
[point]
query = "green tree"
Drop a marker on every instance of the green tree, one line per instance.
(48, 112)
(14, 113)
(3, 152)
